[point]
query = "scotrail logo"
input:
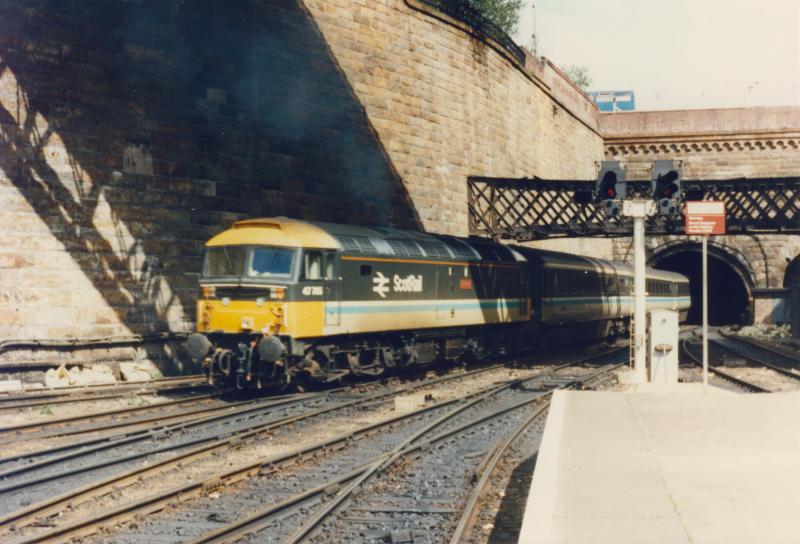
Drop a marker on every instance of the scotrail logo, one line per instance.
(381, 284)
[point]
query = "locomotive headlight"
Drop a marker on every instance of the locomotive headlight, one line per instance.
(278, 293)
(260, 301)
(198, 346)
(209, 291)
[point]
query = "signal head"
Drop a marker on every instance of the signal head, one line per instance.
(665, 186)
(610, 183)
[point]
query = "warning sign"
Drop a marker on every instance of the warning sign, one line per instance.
(705, 218)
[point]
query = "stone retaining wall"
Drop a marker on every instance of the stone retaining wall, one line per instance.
(131, 132)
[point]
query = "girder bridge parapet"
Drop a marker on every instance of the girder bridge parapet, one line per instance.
(525, 209)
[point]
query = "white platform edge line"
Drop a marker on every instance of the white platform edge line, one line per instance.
(537, 524)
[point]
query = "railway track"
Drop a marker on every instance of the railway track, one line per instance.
(95, 393)
(32, 477)
(359, 493)
(485, 508)
(726, 378)
(104, 420)
(234, 438)
(26, 520)
(760, 354)
(421, 493)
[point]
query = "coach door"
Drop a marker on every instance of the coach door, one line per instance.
(611, 292)
(333, 289)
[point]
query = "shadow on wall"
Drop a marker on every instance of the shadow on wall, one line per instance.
(137, 130)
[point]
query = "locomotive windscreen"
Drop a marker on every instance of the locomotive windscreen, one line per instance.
(253, 262)
(268, 261)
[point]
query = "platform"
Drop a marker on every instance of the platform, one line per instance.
(667, 466)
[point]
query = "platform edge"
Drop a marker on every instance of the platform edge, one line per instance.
(537, 523)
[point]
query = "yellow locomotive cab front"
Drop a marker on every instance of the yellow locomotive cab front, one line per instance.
(242, 291)
(248, 312)
(263, 311)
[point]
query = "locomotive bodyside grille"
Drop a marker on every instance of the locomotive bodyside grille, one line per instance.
(406, 248)
(435, 249)
(357, 244)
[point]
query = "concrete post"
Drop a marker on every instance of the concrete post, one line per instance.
(705, 311)
(639, 302)
(639, 210)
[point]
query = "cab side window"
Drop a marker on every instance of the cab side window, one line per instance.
(312, 265)
(330, 266)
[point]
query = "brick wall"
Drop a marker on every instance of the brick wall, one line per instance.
(130, 132)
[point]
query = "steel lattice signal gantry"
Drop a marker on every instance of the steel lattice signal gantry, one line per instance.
(532, 208)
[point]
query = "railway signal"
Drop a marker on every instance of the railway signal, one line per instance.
(610, 187)
(666, 187)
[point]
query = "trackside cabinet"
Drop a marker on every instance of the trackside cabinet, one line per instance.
(662, 346)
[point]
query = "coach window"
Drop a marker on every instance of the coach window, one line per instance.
(312, 265)
(330, 266)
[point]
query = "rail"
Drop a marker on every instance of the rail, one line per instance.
(743, 384)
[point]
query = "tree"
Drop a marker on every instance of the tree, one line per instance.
(579, 75)
(503, 13)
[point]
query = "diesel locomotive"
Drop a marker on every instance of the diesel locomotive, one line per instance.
(285, 300)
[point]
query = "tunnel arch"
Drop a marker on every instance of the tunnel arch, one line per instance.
(792, 274)
(731, 280)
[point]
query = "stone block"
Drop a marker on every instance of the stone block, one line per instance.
(75, 376)
(140, 371)
(408, 403)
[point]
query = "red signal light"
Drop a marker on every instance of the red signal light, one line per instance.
(668, 190)
(609, 186)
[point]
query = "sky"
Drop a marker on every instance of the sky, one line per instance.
(676, 54)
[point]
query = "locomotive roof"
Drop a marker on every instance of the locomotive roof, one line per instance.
(384, 241)
(277, 231)
(389, 241)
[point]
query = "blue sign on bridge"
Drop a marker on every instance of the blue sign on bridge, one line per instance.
(608, 101)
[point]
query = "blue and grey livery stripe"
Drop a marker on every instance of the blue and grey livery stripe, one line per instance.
(419, 306)
(625, 299)
(495, 304)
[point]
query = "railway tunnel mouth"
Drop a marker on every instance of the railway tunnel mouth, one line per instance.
(730, 282)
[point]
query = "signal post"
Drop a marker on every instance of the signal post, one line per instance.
(610, 191)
